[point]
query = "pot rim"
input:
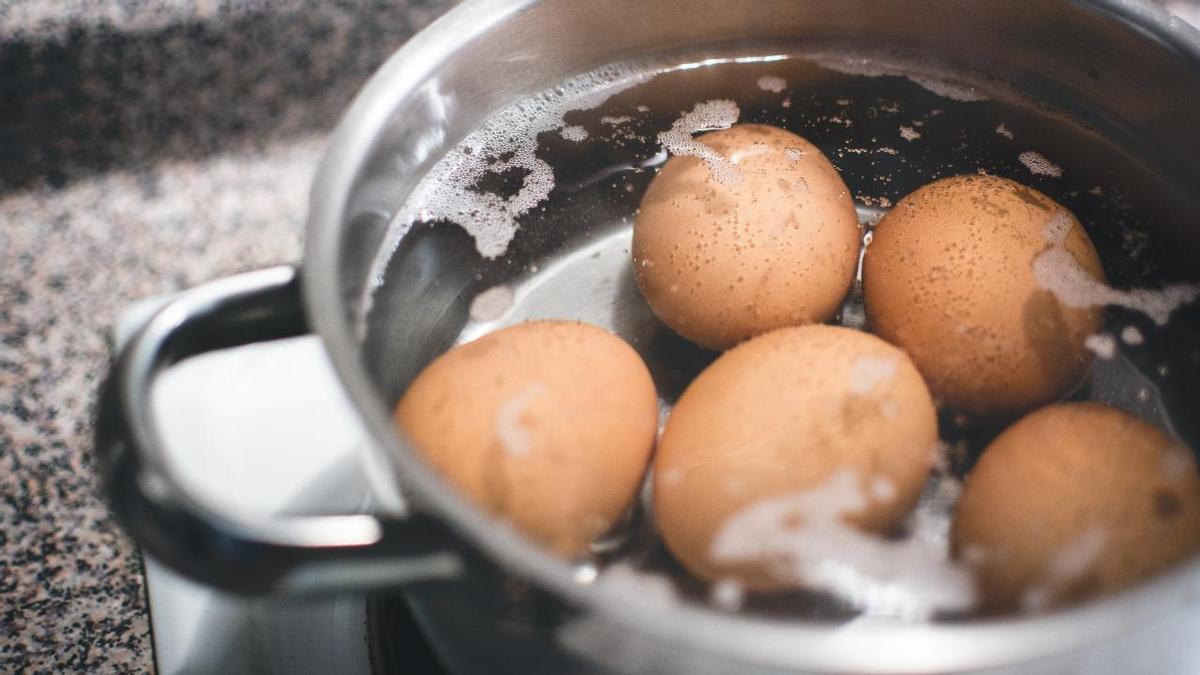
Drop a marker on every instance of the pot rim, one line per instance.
(863, 645)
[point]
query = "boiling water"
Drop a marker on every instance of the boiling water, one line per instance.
(530, 217)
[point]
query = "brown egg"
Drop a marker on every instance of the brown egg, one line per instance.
(779, 415)
(949, 278)
(1073, 500)
(547, 424)
(775, 245)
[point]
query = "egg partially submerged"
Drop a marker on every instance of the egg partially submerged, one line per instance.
(791, 415)
(768, 241)
(1074, 500)
(950, 278)
(547, 424)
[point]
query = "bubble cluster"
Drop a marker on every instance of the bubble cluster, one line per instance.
(1038, 165)
(806, 541)
(574, 133)
(869, 67)
(772, 83)
(1101, 344)
(1057, 227)
(705, 116)
(1057, 271)
(954, 91)
(506, 142)
(1130, 335)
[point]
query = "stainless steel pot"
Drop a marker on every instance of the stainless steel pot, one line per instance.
(493, 602)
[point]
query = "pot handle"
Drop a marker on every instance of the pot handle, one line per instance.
(246, 555)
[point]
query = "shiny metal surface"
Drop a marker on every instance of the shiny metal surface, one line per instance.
(220, 546)
(1125, 68)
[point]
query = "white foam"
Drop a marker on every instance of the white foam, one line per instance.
(1057, 227)
(942, 450)
(867, 67)
(511, 433)
(1004, 131)
(1130, 335)
(772, 83)
(866, 372)
(615, 120)
(491, 304)
(705, 116)
(506, 142)
(1038, 165)
(1068, 564)
(882, 489)
(574, 133)
(739, 155)
(1102, 345)
(1057, 271)
(793, 154)
(1076, 557)
(801, 539)
(908, 133)
(955, 91)
(882, 203)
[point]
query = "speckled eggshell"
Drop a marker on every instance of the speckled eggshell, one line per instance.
(778, 246)
(949, 278)
(1074, 500)
(780, 414)
(547, 424)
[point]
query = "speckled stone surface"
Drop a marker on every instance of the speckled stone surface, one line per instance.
(146, 146)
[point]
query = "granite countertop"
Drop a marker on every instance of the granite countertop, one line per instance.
(147, 145)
